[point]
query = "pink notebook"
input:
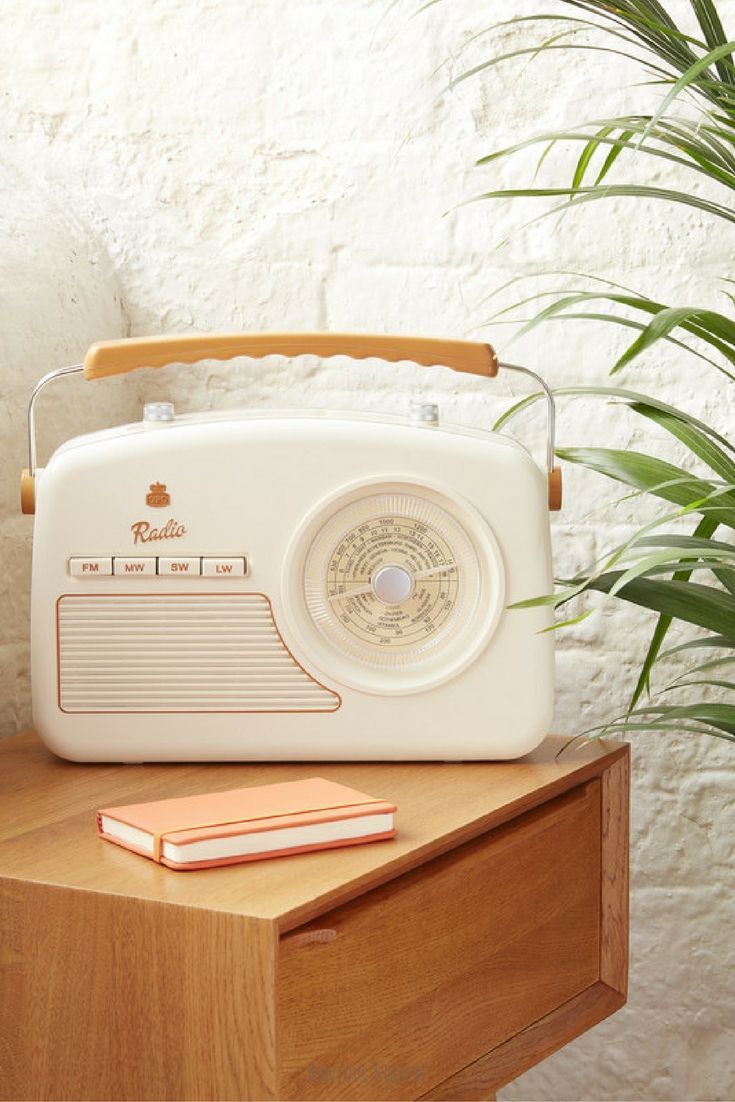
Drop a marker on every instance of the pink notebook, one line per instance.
(248, 824)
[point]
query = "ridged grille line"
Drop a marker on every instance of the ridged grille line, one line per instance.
(184, 653)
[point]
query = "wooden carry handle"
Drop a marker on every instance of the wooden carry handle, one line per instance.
(118, 357)
(107, 358)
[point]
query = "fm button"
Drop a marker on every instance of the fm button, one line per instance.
(90, 568)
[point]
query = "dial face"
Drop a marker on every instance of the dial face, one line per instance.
(392, 581)
(399, 586)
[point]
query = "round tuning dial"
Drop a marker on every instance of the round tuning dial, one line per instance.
(401, 586)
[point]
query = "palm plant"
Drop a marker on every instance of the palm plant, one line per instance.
(683, 576)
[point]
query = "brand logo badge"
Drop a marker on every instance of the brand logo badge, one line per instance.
(157, 498)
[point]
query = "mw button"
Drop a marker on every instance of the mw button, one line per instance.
(132, 568)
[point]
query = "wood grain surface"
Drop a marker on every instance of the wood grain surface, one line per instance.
(615, 824)
(439, 965)
(425, 974)
(550, 1032)
(116, 1001)
(48, 831)
(476, 1083)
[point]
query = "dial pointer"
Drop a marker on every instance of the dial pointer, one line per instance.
(365, 589)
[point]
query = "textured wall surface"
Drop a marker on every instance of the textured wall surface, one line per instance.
(246, 164)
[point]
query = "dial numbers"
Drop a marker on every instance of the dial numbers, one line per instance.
(393, 580)
(353, 581)
(394, 586)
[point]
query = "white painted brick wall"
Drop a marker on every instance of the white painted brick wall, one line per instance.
(173, 165)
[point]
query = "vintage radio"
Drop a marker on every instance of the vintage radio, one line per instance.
(291, 585)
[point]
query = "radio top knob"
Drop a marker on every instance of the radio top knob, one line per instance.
(425, 412)
(158, 411)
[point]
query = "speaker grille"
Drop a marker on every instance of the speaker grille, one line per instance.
(179, 653)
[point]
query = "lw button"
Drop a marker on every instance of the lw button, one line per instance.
(224, 568)
(90, 568)
(131, 568)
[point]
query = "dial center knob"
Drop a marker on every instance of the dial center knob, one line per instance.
(392, 584)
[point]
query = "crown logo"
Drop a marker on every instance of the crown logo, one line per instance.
(158, 498)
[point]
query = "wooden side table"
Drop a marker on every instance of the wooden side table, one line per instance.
(440, 965)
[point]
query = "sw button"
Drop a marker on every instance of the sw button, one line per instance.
(180, 566)
(224, 568)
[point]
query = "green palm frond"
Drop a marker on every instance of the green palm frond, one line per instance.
(701, 718)
(704, 150)
(575, 196)
(700, 77)
(683, 577)
(650, 554)
(708, 326)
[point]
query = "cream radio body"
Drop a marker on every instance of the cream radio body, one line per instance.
(290, 586)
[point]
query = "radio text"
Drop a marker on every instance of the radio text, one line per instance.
(143, 532)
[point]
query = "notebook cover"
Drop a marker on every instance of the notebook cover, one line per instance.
(244, 811)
